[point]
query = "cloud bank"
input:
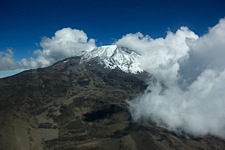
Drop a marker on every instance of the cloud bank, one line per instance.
(192, 70)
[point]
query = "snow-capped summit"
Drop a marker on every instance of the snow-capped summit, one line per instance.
(113, 56)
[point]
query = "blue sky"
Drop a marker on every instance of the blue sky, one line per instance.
(25, 22)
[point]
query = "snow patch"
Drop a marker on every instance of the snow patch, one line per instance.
(113, 56)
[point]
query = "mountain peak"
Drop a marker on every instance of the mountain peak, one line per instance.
(113, 56)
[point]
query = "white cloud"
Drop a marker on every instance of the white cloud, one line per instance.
(67, 42)
(199, 109)
(207, 52)
(7, 61)
(160, 56)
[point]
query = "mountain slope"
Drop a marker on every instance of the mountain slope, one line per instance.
(64, 100)
(78, 104)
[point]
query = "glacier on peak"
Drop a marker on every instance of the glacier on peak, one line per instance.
(113, 56)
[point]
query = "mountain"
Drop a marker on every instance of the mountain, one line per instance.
(113, 56)
(80, 103)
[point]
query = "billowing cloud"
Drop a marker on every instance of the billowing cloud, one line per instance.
(207, 52)
(160, 56)
(67, 42)
(196, 107)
